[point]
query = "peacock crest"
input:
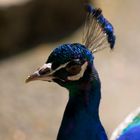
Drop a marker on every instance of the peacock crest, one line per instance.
(98, 32)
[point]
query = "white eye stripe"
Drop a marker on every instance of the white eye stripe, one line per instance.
(48, 65)
(80, 74)
(60, 67)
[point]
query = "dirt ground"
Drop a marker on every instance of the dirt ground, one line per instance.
(33, 111)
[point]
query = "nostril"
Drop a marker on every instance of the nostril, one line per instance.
(44, 71)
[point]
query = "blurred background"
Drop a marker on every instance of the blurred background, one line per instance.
(29, 31)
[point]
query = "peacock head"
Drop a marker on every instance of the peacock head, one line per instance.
(66, 65)
(70, 65)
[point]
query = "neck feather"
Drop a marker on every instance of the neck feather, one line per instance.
(81, 116)
(86, 97)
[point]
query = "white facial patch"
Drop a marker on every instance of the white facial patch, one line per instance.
(49, 65)
(80, 74)
(49, 76)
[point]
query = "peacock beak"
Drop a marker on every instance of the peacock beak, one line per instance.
(44, 73)
(32, 77)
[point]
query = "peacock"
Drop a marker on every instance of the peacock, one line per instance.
(71, 66)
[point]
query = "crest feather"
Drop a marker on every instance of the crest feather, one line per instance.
(98, 31)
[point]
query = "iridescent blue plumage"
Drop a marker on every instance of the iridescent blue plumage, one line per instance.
(132, 133)
(81, 117)
(67, 52)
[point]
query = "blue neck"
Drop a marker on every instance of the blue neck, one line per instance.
(81, 117)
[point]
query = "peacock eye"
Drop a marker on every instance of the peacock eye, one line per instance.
(73, 70)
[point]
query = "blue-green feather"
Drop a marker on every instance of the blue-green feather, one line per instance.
(132, 131)
(135, 122)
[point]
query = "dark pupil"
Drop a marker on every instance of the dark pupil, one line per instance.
(75, 69)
